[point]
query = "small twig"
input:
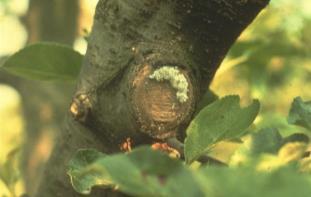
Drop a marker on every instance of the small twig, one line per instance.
(176, 144)
(204, 159)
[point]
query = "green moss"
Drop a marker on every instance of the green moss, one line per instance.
(176, 79)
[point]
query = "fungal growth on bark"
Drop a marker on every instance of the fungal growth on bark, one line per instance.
(177, 80)
(147, 66)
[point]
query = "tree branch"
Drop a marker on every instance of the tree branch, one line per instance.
(130, 40)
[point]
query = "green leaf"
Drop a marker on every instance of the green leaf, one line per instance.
(143, 172)
(296, 137)
(83, 176)
(45, 61)
(9, 173)
(267, 140)
(246, 182)
(300, 113)
(224, 119)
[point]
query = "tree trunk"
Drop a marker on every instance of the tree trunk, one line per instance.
(45, 108)
(52, 20)
(121, 93)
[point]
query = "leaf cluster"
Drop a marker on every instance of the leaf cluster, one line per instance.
(265, 164)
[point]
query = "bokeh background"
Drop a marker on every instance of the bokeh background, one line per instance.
(270, 61)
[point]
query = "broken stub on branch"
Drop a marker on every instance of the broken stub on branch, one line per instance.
(162, 103)
(146, 100)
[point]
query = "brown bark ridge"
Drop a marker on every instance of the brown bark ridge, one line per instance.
(116, 97)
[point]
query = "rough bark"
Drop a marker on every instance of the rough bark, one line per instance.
(132, 35)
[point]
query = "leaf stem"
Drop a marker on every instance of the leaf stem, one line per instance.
(204, 159)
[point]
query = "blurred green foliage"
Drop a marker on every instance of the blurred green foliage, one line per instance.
(300, 113)
(272, 62)
(277, 48)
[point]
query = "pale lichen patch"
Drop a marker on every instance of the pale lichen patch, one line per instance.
(177, 80)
